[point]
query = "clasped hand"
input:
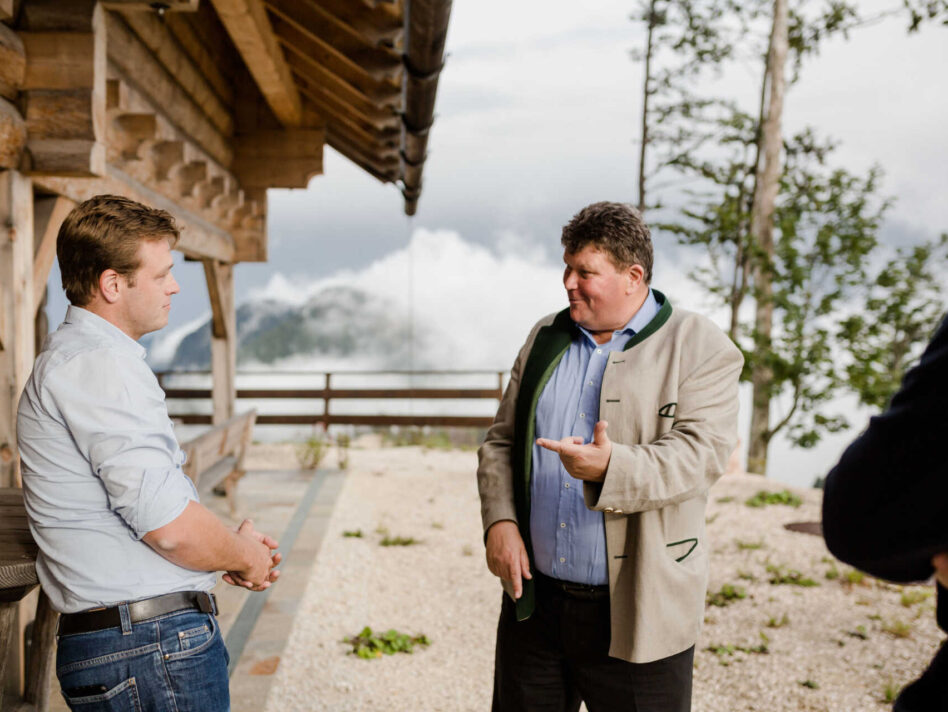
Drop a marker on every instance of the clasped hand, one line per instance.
(584, 462)
(235, 579)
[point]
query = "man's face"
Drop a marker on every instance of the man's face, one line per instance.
(598, 292)
(147, 301)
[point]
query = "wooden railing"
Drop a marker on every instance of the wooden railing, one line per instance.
(329, 395)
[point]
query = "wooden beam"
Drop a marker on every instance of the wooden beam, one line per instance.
(199, 238)
(387, 173)
(48, 215)
(332, 108)
(279, 159)
(12, 62)
(12, 135)
(247, 24)
(141, 69)
(382, 25)
(16, 311)
(220, 289)
(154, 34)
(149, 5)
(379, 94)
(364, 77)
(317, 23)
(214, 69)
(63, 98)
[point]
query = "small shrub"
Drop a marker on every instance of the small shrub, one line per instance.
(749, 545)
(311, 452)
(810, 684)
(780, 575)
(745, 575)
(890, 692)
(897, 628)
(398, 541)
(368, 645)
(764, 498)
(342, 450)
(778, 622)
(727, 595)
(914, 595)
(832, 573)
(724, 500)
(354, 534)
(854, 577)
(860, 633)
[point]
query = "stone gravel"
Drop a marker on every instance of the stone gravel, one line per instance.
(844, 644)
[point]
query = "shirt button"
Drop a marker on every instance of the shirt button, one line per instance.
(567, 485)
(562, 525)
(562, 559)
(598, 351)
(582, 415)
(590, 383)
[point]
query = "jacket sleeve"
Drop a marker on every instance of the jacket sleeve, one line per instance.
(689, 458)
(494, 469)
(885, 504)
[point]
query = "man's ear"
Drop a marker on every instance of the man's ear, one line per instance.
(110, 283)
(636, 274)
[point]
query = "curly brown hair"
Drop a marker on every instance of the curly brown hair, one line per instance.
(615, 228)
(105, 232)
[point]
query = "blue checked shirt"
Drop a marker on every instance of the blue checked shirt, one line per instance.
(569, 540)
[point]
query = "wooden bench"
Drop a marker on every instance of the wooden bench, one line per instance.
(216, 457)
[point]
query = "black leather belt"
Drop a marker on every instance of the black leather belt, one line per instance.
(102, 618)
(584, 591)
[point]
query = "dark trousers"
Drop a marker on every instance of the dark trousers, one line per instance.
(559, 657)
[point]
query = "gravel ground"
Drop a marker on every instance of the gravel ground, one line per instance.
(842, 644)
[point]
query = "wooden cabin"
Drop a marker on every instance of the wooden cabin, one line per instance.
(196, 107)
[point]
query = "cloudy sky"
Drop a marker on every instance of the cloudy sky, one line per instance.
(537, 115)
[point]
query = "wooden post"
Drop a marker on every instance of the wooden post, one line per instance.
(41, 659)
(220, 289)
(16, 311)
(326, 404)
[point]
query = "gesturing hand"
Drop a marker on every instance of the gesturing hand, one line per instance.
(940, 562)
(507, 555)
(584, 462)
(246, 528)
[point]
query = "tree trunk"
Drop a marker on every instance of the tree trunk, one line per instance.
(762, 228)
(646, 95)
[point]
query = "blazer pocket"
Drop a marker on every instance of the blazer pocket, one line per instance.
(681, 550)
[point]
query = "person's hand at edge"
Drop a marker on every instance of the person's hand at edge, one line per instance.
(246, 528)
(507, 555)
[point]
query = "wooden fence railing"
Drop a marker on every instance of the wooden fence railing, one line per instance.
(329, 394)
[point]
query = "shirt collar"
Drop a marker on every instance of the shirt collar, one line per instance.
(85, 319)
(639, 320)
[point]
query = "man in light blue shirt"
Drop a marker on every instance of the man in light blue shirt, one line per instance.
(127, 554)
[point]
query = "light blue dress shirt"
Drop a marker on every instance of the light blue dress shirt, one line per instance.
(101, 468)
(569, 540)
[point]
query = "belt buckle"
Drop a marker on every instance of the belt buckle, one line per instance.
(207, 603)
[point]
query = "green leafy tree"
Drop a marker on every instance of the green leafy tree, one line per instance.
(921, 11)
(902, 307)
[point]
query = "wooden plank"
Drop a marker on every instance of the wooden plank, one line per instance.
(49, 213)
(248, 26)
(310, 18)
(211, 67)
(334, 110)
(12, 62)
(454, 421)
(142, 70)
(220, 287)
(382, 24)
(148, 6)
(16, 310)
(292, 35)
(155, 35)
(343, 393)
(12, 135)
(199, 238)
(63, 97)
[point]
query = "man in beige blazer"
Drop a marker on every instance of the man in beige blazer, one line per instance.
(620, 413)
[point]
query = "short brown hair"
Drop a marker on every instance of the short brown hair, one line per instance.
(615, 228)
(105, 232)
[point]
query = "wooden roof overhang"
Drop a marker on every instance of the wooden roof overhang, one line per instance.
(199, 106)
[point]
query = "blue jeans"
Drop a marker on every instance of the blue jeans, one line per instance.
(172, 663)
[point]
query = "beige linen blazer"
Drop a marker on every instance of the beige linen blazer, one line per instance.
(671, 403)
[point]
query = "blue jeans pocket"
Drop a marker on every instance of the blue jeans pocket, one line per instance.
(121, 698)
